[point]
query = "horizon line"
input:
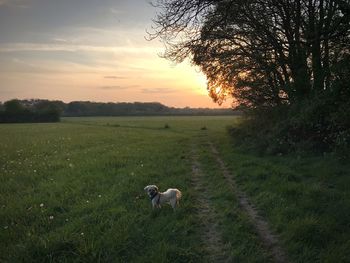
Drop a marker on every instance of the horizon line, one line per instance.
(66, 102)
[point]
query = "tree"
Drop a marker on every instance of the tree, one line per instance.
(13, 106)
(47, 111)
(261, 53)
(14, 111)
(18, 111)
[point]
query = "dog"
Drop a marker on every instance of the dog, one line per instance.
(171, 196)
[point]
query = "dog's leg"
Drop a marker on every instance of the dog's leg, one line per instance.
(173, 203)
(154, 205)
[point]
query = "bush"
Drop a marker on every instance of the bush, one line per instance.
(14, 111)
(319, 125)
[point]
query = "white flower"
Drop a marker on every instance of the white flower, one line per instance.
(82, 233)
(99, 196)
(51, 217)
(41, 205)
(6, 227)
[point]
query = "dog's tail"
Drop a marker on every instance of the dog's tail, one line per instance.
(178, 195)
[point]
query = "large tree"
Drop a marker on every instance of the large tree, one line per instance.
(263, 53)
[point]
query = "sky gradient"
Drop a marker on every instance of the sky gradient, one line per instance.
(90, 50)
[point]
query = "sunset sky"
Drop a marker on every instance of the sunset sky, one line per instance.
(90, 50)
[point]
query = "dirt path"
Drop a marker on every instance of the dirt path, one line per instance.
(269, 239)
(211, 237)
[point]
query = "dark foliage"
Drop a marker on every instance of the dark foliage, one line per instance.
(285, 63)
(87, 108)
(16, 111)
(318, 126)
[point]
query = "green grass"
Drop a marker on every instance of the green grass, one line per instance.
(89, 174)
(236, 229)
(306, 199)
(73, 192)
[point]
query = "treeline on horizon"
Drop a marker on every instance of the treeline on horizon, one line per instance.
(37, 110)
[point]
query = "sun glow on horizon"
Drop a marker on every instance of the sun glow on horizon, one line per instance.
(96, 60)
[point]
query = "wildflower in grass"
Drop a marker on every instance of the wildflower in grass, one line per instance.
(71, 165)
(99, 196)
(82, 233)
(34, 171)
(6, 227)
(41, 205)
(51, 217)
(87, 201)
(67, 219)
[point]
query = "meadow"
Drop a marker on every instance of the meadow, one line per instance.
(73, 192)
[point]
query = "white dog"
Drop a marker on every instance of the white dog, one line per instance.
(171, 196)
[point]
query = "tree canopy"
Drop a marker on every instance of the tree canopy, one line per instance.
(284, 62)
(17, 111)
(261, 53)
(37, 110)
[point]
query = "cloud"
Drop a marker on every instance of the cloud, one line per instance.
(112, 87)
(114, 77)
(60, 40)
(14, 3)
(116, 11)
(22, 62)
(118, 87)
(17, 47)
(159, 90)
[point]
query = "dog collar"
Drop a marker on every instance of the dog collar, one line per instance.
(152, 197)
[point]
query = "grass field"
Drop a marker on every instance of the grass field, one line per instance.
(73, 192)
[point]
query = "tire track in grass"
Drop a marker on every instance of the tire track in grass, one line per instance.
(211, 236)
(270, 240)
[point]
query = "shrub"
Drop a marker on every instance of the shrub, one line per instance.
(319, 125)
(15, 111)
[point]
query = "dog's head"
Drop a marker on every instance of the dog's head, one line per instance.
(151, 190)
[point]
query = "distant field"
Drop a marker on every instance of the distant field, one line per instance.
(73, 192)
